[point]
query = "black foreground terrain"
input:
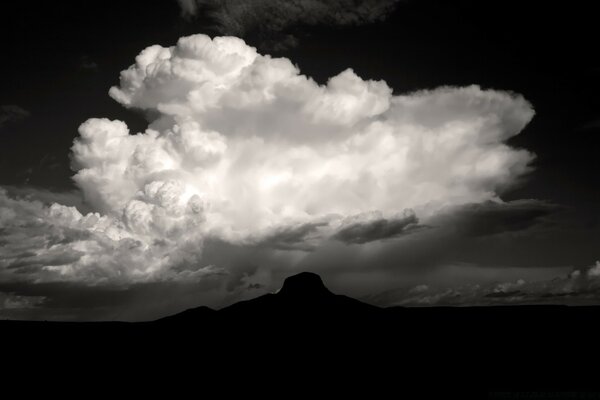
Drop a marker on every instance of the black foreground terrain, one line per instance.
(304, 337)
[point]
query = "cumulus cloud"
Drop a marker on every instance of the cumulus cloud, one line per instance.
(272, 19)
(57, 243)
(229, 116)
(246, 154)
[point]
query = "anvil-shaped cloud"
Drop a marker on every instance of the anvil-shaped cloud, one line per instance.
(243, 149)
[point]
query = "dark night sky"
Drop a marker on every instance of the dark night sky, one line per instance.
(60, 58)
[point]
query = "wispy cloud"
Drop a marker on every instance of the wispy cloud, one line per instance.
(12, 113)
(272, 20)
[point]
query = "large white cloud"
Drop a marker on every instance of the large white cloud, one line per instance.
(242, 148)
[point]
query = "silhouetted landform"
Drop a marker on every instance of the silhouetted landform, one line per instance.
(304, 333)
(303, 302)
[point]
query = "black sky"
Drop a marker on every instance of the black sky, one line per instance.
(60, 58)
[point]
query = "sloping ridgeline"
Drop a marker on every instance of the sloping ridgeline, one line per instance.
(304, 336)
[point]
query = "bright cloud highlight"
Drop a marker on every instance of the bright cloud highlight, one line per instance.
(242, 147)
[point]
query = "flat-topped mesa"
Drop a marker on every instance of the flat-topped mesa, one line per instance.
(304, 284)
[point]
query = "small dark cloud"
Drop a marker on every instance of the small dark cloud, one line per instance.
(557, 295)
(237, 278)
(12, 301)
(489, 218)
(360, 232)
(189, 8)
(12, 113)
(87, 63)
(590, 126)
(255, 286)
(68, 300)
(79, 301)
(295, 237)
(503, 294)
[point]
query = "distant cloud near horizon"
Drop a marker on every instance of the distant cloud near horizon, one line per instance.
(579, 287)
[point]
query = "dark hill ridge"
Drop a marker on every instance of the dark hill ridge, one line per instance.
(303, 299)
(275, 336)
(304, 284)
